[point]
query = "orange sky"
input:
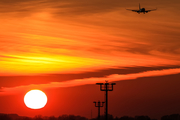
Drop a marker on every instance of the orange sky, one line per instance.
(50, 44)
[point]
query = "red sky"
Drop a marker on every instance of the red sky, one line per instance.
(65, 47)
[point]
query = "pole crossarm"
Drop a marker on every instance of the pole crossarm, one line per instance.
(99, 104)
(103, 86)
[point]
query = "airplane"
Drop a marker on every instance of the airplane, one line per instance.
(141, 10)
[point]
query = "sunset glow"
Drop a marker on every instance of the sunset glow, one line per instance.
(65, 47)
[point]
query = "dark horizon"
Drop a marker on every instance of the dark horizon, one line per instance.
(4, 116)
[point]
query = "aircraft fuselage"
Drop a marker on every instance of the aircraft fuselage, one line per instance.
(141, 10)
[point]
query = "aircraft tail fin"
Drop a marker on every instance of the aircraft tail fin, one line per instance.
(139, 6)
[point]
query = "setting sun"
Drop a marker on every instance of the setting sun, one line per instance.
(35, 99)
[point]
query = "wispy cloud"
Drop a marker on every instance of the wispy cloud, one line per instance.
(92, 80)
(44, 33)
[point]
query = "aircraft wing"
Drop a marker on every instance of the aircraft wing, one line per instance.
(133, 10)
(151, 10)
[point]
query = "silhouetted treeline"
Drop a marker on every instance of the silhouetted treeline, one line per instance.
(73, 117)
(39, 117)
(110, 117)
(171, 117)
(166, 117)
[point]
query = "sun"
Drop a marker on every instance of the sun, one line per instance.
(35, 99)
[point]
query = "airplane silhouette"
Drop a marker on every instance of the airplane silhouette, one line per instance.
(141, 10)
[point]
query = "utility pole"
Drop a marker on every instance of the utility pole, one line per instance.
(99, 105)
(106, 87)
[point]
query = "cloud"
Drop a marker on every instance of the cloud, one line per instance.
(89, 31)
(71, 7)
(91, 80)
(12, 81)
